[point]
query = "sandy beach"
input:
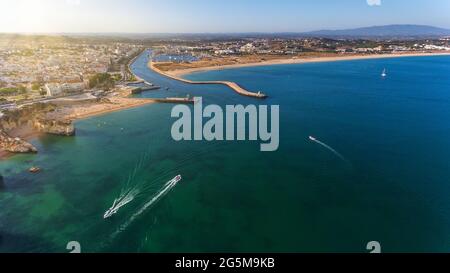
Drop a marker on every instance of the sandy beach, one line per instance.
(76, 112)
(299, 60)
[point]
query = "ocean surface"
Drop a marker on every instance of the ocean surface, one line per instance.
(392, 184)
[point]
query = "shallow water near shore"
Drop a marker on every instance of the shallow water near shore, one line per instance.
(302, 198)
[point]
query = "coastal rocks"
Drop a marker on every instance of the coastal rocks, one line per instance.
(15, 145)
(22, 115)
(26, 120)
(55, 127)
(12, 119)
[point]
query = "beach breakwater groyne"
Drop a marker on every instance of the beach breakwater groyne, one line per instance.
(238, 89)
(175, 100)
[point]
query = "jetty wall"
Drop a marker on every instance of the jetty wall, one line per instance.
(238, 89)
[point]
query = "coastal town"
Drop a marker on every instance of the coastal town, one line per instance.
(40, 68)
(295, 46)
(47, 82)
(192, 56)
(43, 67)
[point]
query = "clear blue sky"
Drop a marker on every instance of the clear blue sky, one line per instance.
(177, 16)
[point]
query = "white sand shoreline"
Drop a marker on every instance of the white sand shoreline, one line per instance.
(184, 72)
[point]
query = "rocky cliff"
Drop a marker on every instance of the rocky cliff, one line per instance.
(34, 117)
(15, 145)
(54, 127)
(13, 119)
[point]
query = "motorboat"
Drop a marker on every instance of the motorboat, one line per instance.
(129, 196)
(177, 179)
(119, 203)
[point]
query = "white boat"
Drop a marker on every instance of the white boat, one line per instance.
(177, 178)
(118, 203)
(384, 74)
(128, 197)
(312, 138)
(110, 212)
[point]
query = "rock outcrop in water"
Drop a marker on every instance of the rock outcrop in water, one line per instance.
(15, 145)
(54, 127)
(33, 117)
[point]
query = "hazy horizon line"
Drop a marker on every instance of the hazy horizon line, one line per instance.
(213, 33)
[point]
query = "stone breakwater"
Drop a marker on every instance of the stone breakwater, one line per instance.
(234, 86)
(29, 120)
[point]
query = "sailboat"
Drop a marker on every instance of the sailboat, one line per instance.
(384, 74)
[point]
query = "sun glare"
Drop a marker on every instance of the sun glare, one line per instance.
(32, 15)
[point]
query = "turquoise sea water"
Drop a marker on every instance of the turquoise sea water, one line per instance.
(392, 188)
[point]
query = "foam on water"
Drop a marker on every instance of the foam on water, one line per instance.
(329, 148)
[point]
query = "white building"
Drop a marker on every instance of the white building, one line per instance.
(224, 52)
(435, 47)
(56, 89)
(248, 48)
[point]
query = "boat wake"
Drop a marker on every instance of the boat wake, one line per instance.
(141, 187)
(160, 194)
(123, 200)
(131, 191)
(166, 189)
(313, 139)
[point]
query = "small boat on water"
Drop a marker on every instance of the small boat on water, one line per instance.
(34, 170)
(312, 138)
(384, 73)
(118, 203)
(177, 178)
(110, 212)
(130, 196)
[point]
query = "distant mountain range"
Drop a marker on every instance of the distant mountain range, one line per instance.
(384, 31)
(374, 32)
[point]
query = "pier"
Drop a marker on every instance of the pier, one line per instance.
(238, 89)
(175, 100)
(139, 90)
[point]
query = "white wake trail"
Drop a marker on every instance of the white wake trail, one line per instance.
(328, 148)
(165, 190)
(169, 185)
(127, 198)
